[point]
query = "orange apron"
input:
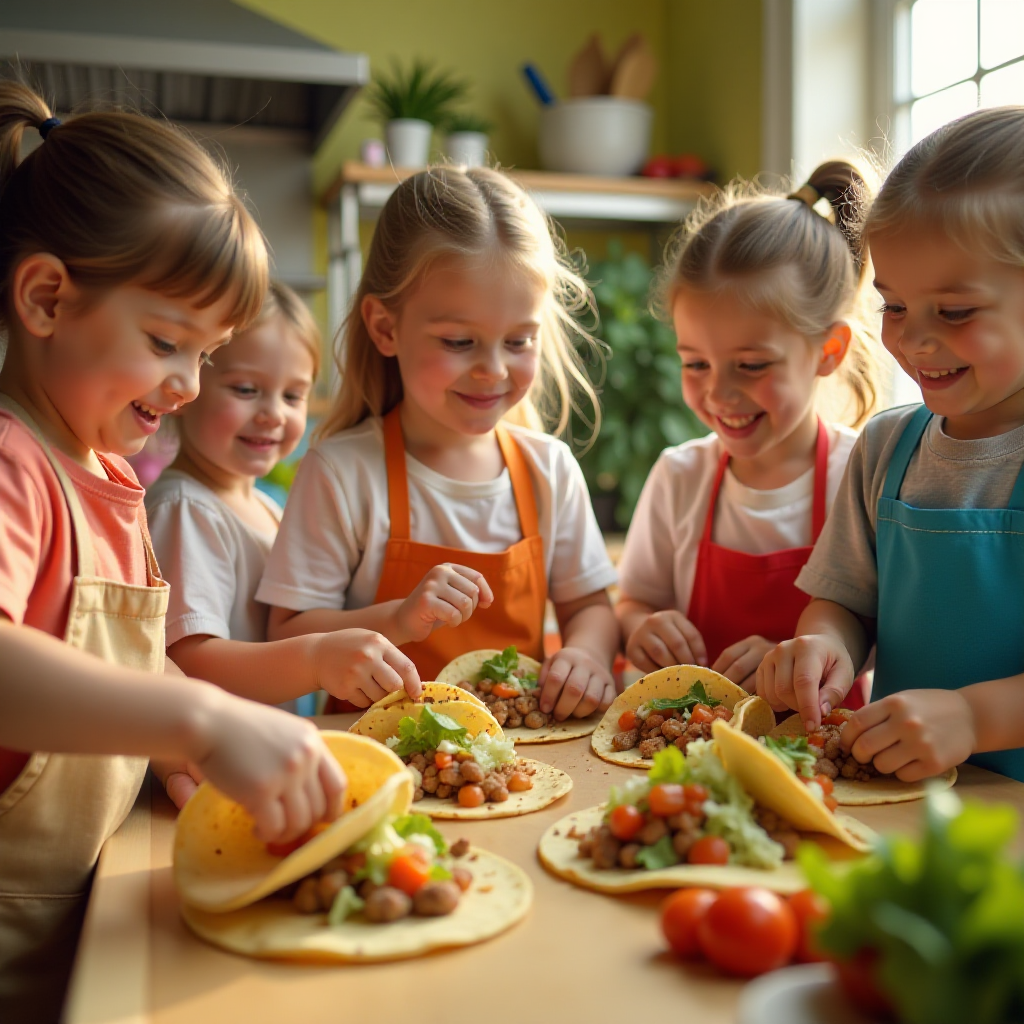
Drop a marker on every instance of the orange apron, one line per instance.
(517, 575)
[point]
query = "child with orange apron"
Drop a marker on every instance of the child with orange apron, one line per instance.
(425, 511)
(725, 522)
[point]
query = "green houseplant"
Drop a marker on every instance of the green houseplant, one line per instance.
(642, 404)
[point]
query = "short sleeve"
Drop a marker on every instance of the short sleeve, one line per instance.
(316, 550)
(647, 564)
(843, 566)
(198, 558)
(580, 564)
(24, 526)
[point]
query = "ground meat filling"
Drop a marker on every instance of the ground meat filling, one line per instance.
(510, 712)
(443, 775)
(832, 762)
(660, 728)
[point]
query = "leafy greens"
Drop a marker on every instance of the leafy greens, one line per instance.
(501, 669)
(427, 733)
(794, 753)
(694, 696)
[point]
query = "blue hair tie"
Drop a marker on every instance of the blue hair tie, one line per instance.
(47, 126)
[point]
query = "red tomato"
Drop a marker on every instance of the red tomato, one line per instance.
(504, 691)
(858, 979)
(695, 793)
(701, 713)
(815, 740)
(680, 915)
(409, 871)
(748, 931)
(689, 165)
(709, 850)
(666, 799)
(835, 718)
(627, 720)
(658, 167)
(625, 821)
(826, 784)
(471, 796)
(442, 760)
(831, 802)
(809, 909)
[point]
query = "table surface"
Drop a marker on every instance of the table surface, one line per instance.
(582, 956)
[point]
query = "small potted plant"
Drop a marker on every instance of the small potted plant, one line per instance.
(465, 140)
(410, 103)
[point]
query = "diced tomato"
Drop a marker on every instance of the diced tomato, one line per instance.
(834, 718)
(409, 871)
(681, 914)
(625, 821)
(826, 784)
(504, 691)
(709, 850)
(809, 909)
(701, 713)
(627, 720)
(471, 796)
(831, 802)
(666, 799)
(442, 760)
(815, 740)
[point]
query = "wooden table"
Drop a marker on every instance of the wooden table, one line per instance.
(578, 956)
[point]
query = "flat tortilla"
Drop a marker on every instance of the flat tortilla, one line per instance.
(469, 668)
(438, 692)
(666, 682)
(499, 897)
(381, 721)
(559, 853)
(219, 865)
(754, 716)
(880, 790)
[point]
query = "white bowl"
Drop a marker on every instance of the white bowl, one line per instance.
(595, 135)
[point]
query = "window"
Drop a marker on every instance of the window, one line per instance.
(951, 57)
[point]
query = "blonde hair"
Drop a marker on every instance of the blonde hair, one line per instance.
(119, 197)
(447, 212)
(784, 258)
(281, 301)
(967, 179)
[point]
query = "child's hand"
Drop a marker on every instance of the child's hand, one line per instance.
(179, 780)
(916, 733)
(362, 667)
(574, 682)
(447, 596)
(272, 762)
(663, 639)
(811, 674)
(739, 662)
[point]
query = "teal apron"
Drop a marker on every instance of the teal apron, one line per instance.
(950, 593)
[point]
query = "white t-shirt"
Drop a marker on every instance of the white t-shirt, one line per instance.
(659, 559)
(329, 551)
(211, 558)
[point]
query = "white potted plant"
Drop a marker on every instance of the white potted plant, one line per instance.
(466, 137)
(410, 103)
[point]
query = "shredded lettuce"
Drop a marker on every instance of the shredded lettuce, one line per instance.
(439, 873)
(380, 845)
(669, 766)
(632, 792)
(491, 751)
(432, 729)
(410, 826)
(345, 904)
(794, 753)
(661, 855)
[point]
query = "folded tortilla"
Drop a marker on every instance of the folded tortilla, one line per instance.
(469, 668)
(885, 789)
(666, 682)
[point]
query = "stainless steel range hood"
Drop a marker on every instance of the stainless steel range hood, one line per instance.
(205, 62)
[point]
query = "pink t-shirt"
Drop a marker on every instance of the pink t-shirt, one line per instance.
(36, 560)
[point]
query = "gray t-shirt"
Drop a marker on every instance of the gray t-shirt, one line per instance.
(943, 473)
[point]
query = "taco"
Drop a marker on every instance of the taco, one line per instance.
(854, 783)
(669, 707)
(692, 820)
(462, 764)
(378, 884)
(506, 682)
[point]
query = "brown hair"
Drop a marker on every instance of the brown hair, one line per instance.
(447, 212)
(786, 259)
(119, 197)
(283, 302)
(966, 178)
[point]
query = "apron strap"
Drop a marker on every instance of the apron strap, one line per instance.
(398, 481)
(905, 448)
(522, 483)
(709, 520)
(79, 525)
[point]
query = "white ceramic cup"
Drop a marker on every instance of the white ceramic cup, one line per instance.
(468, 149)
(595, 135)
(408, 141)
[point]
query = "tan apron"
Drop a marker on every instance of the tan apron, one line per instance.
(58, 812)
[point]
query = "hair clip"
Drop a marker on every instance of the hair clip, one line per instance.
(806, 194)
(47, 126)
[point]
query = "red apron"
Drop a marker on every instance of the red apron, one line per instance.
(517, 576)
(736, 595)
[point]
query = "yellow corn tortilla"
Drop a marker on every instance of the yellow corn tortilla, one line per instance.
(380, 720)
(469, 668)
(666, 682)
(499, 897)
(559, 853)
(219, 865)
(754, 716)
(884, 790)
(437, 692)
(549, 783)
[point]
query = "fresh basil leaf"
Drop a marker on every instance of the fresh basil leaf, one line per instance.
(411, 824)
(425, 734)
(794, 752)
(345, 904)
(528, 682)
(661, 855)
(694, 696)
(499, 669)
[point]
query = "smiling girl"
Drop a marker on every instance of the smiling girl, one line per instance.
(423, 513)
(923, 554)
(762, 291)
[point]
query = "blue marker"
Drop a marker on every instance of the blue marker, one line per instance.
(540, 87)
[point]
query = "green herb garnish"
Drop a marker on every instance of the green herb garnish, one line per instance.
(661, 855)
(499, 669)
(413, 824)
(669, 765)
(415, 736)
(794, 753)
(695, 695)
(345, 904)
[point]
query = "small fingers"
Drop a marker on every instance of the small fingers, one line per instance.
(592, 696)
(334, 783)
(483, 593)
(551, 679)
(698, 649)
(573, 689)
(406, 670)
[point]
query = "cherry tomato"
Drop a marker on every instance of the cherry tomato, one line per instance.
(689, 165)
(701, 713)
(826, 784)
(709, 850)
(658, 167)
(504, 691)
(857, 978)
(809, 909)
(748, 931)
(471, 796)
(625, 821)
(627, 720)
(409, 871)
(666, 799)
(695, 797)
(680, 915)
(442, 760)
(831, 802)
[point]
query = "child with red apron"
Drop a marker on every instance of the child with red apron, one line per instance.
(725, 522)
(426, 511)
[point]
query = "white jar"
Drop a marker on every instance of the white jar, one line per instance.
(595, 135)
(408, 141)
(466, 149)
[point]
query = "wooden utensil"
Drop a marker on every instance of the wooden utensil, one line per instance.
(635, 69)
(589, 72)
